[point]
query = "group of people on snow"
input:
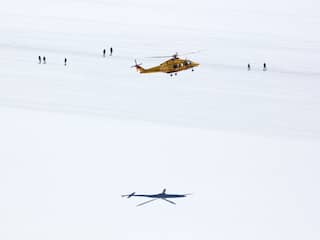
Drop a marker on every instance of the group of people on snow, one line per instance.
(104, 51)
(110, 52)
(43, 59)
(264, 67)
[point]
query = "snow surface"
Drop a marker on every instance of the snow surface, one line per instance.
(76, 137)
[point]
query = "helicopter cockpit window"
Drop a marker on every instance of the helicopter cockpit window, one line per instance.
(175, 66)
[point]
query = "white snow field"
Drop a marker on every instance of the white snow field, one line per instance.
(74, 138)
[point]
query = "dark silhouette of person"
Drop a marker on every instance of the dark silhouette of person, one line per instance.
(111, 51)
(39, 59)
(44, 60)
(249, 67)
(65, 61)
(104, 52)
(264, 67)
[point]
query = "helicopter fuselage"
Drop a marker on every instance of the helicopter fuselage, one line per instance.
(170, 66)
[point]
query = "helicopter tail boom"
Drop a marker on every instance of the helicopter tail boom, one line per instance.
(148, 70)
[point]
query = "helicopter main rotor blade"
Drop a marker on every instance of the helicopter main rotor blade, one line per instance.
(161, 56)
(177, 54)
(140, 204)
(167, 56)
(188, 53)
(168, 201)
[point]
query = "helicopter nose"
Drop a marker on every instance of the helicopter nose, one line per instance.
(195, 64)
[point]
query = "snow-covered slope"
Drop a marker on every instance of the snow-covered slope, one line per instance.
(76, 137)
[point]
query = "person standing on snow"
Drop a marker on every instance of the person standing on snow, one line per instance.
(39, 58)
(65, 61)
(264, 67)
(249, 67)
(104, 53)
(44, 60)
(111, 51)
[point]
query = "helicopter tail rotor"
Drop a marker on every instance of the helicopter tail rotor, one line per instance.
(138, 66)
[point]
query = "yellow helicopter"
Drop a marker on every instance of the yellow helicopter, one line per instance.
(171, 66)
